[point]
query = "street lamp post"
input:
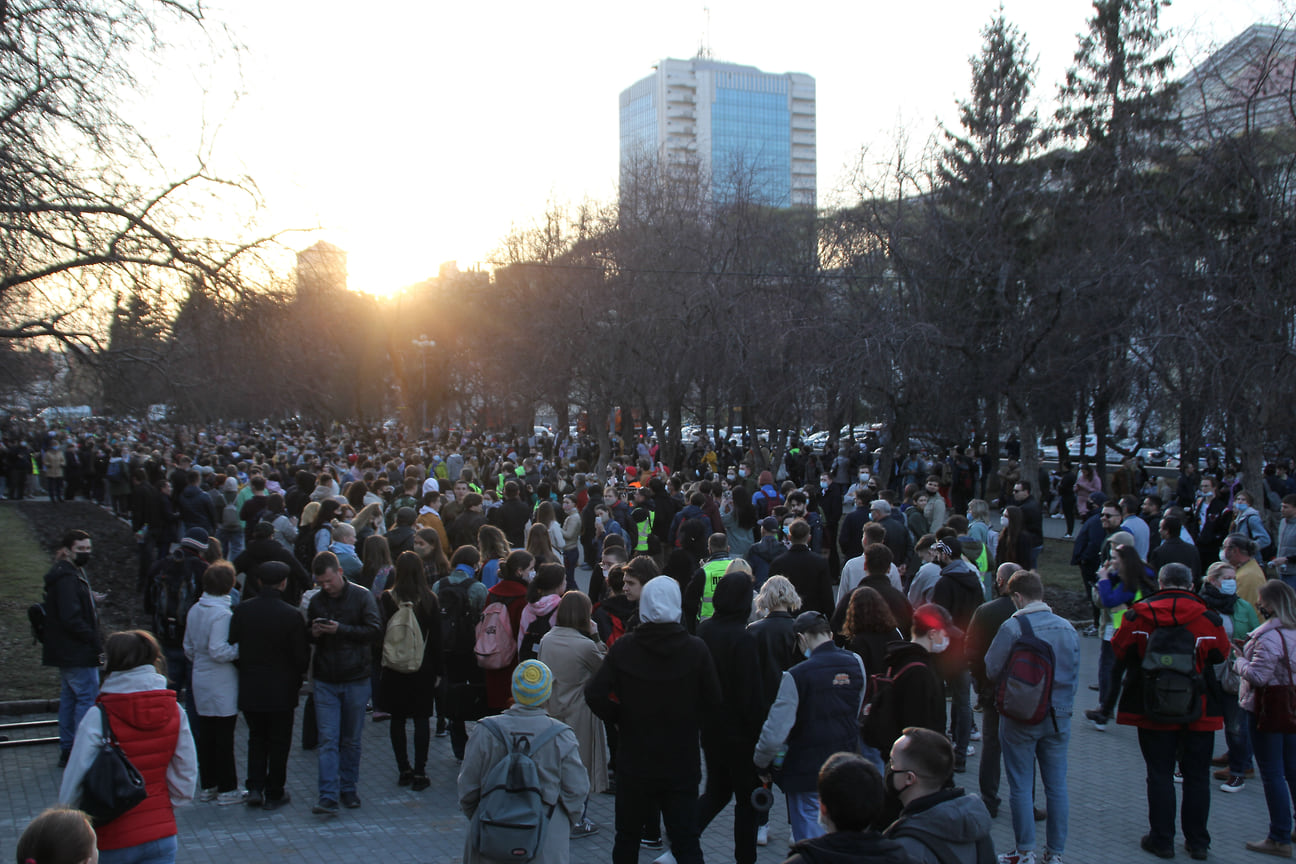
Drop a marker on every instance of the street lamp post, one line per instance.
(424, 344)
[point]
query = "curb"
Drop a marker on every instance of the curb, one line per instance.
(28, 706)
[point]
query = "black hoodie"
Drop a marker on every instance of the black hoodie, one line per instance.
(657, 684)
(733, 650)
(849, 847)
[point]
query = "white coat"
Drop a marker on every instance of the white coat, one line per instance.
(206, 644)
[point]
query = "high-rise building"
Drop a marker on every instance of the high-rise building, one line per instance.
(747, 132)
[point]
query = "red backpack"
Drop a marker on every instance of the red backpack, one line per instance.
(1025, 690)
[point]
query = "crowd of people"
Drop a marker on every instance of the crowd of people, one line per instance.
(800, 625)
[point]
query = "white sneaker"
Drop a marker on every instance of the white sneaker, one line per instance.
(762, 835)
(234, 796)
(1051, 858)
(971, 751)
(664, 858)
(207, 795)
(1015, 857)
(975, 736)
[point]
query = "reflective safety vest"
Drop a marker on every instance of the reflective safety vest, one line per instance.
(712, 572)
(643, 530)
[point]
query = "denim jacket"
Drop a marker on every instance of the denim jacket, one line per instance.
(1053, 629)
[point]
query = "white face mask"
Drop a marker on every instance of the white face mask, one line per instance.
(1003, 521)
(1228, 586)
(939, 647)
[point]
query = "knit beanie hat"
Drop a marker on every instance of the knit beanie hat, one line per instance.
(532, 683)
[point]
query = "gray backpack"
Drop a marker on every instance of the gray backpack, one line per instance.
(511, 816)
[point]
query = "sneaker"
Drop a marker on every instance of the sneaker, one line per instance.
(1098, 718)
(1146, 845)
(379, 716)
(648, 843)
(1015, 857)
(1235, 783)
(975, 736)
(254, 798)
(1249, 774)
(325, 807)
(1199, 853)
(1269, 846)
(420, 782)
(1178, 777)
(1066, 537)
(971, 750)
(442, 732)
(762, 835)
(1051, 858)
(350, 800)
(234, 796)
(664, 858)
(206, 796)
(582, 829)
(275, 803)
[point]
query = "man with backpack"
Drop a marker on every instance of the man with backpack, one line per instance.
(522, 784)
(1034, 660)
(1168, 645)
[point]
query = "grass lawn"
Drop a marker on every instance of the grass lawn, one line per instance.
(23, 565)
(1055, 567)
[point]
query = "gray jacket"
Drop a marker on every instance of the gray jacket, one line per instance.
(948, 818)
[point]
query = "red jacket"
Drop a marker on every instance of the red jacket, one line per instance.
(147, 725)
(1168, 608)
(499, 682)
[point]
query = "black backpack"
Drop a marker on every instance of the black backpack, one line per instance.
(458, 621)
(530, 648)
(880, 716)
(174, 595)
(36, 617)
(1172, 684)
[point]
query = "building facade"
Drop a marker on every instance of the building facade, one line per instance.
(747, 133)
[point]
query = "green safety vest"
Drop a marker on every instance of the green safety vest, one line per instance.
(712, 572)
(643, 530)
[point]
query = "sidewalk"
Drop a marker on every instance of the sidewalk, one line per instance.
(1108, 808)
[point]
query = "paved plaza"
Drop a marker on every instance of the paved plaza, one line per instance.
(1108, 811)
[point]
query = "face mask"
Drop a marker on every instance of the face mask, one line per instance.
(732, 476)
(742, 473)
(823, 486)
(1228, 586)
(1003, 521)
(81, 559)
(863, 477)
(939, 647)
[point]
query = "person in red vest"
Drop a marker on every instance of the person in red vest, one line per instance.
(154, 734)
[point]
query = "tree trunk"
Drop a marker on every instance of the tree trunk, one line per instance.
(671, 446)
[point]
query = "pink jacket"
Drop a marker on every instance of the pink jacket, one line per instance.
(1261, 662)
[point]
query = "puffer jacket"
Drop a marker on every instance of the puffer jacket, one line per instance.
(347, 654)
(1262, 661)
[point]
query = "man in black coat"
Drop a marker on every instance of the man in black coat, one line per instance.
(273, 654)
(1174, 550)
(897, 533)
(657, 684)
(71, 638)
(264, 548)
(512, 516)
(806, 570)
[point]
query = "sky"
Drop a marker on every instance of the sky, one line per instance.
(426, 134)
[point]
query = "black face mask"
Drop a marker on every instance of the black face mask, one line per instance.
(892, 793)
(81, 559)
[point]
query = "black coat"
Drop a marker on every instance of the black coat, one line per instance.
(808, 573)
(1175, 551)
(657, 684)
(920, 692)
(259, 552)
(986, 621)
(346, 655)
(463, 530)
(197, 510)
(737, 662)
(72, 636)
(410, 694)
(511, 517)
(849, 847)
(273, 652)
(776, 647)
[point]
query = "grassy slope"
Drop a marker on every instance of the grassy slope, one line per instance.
(23, 565)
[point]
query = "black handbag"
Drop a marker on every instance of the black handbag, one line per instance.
(1276, 703)
(112, 785)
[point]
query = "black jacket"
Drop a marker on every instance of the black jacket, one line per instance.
(657, 684)
(401, 539)
(463, 530)
(808, 573)
(849, 847)
(920, 691)
(776, 647)
(273, 652)
(733, 650)
(959, 591)
(1175, 550)
(986, 621)
(197, 510)
(259, 552)
(346, 655)
(511, 517)
(411, 693)
(71, 622)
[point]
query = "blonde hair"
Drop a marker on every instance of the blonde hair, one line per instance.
(308, 515)
(738, 565)
(777, 594)
(371, 512)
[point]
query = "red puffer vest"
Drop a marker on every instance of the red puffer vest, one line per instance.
(147, 726)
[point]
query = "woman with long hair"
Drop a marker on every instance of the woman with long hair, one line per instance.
(321, 529)
(368, 521)
(739, 519)
(1087, 482)
(1015, 542)
(427, 545)
(493, 547)
(215, 684)
(1268, 660)
(870, 627)
(543, 594)
(410, 695)
(572, 651)
(154, 734)
(378, 566)
(355, 495)
(547, 516)
(1123, 580)
(537, 543)
(511, 590)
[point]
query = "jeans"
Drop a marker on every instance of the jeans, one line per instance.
(1193, 751)
(961, 714)
(339, 714)
(991, 752)
(269, 740)
(1109, 679)
(231, 542)
(160, 851)
(637, 797)
(873, 755)
(78, 688)
(803, 815)
(1022, 746)
(571, 557)
(1237, 736)
(1275, 753)
(730, 773)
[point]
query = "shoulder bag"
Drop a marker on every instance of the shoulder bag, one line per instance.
(112, 785)
(1276, 703)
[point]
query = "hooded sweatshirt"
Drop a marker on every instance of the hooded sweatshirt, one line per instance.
(951, 817)
(959, 591)
(541, 608)
(849, 847)
(658, 683)
(733, 650)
